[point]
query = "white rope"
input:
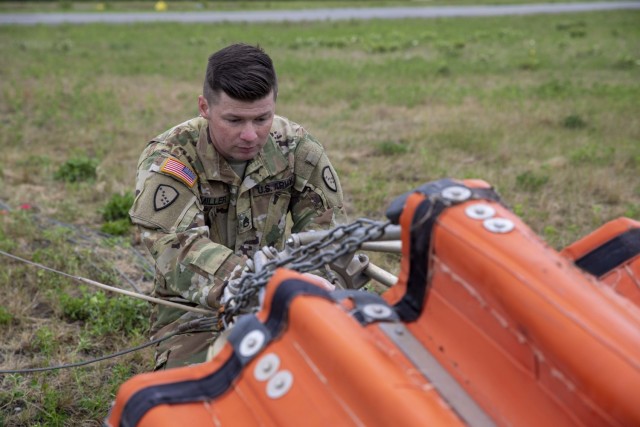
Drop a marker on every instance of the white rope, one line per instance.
(111, 288)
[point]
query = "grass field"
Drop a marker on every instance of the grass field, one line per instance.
(546, 108)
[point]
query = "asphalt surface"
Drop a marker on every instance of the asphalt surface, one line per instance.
(309, 15)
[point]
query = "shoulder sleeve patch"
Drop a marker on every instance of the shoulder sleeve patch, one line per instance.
(179, 170)
(163, 204)
(329, 179)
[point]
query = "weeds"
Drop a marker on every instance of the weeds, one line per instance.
(5, 316)
(117, 207)
(45, 342)
(392, 148)
(116, 214)
(118, 227)
(627, 62)
(77, 169)
(104, 315)
(593, 154)
(54, 251)
(632, 211)
(6, 243)
(443, 69)
(532, 62)
(574, 121)
(531, 181)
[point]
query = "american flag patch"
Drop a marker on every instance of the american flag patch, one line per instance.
(179, 170)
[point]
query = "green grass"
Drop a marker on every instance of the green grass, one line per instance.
(47, 319)
(543, 107)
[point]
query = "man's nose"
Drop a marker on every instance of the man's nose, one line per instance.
(248, 133)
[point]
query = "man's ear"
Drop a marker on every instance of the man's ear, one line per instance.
(203, 107)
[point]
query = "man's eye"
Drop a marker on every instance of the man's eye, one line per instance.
(233, 120)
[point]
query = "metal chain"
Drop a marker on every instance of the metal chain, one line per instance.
(309, 257)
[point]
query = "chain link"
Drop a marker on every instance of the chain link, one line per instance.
(340, 241)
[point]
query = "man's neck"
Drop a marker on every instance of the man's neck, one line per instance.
(238, 166)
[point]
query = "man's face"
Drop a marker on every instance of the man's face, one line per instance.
(238, 129)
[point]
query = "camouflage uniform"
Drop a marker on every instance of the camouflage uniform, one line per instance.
(200, 220)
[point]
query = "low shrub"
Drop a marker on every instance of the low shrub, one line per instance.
(77, 169)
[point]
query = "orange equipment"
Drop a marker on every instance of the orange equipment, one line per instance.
(612, 254)
(486, 326)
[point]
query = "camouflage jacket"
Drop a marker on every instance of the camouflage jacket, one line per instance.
(199, 219)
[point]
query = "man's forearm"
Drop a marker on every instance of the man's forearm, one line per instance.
(191, 266)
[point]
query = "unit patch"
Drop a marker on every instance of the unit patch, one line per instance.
(164, 197)
(273, 186)
(329, 179)
(179, 170)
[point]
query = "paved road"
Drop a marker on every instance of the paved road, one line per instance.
(310, 15)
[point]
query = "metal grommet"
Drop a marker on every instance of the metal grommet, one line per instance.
(376, 311)
(251, 343)
(499, 225)
(480, 211)
(456, 193)
(266, 367)
(279, 384)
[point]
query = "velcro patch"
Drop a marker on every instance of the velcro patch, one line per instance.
(165, 195)
(179, 170)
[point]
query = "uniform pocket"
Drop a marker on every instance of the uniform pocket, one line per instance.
(273, 223)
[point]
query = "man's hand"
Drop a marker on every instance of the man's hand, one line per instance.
(232, 282)
(263, 256)
(268, 254)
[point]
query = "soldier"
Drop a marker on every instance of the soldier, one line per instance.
(213, 190)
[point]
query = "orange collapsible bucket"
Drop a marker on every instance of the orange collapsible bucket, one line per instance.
(531, 337)
(486, 326)
(305, 359)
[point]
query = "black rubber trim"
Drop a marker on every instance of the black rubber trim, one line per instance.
(218, 382)
(422, 223)
(611, 254)
(412, 302)
(286, 292)
(394, 211)
(205, 388)
(396, 207)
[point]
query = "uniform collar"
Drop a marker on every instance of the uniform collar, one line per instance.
(268, 162)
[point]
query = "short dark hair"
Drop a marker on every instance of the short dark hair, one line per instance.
(243, 72)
